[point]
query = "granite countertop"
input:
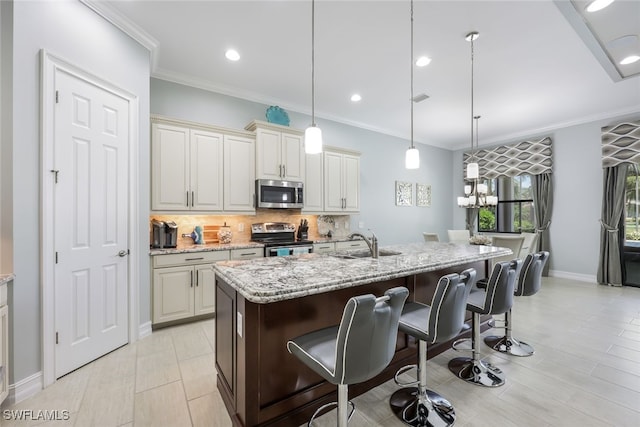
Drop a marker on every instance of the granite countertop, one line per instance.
(267, 280)
(6, 278)
(208, 247)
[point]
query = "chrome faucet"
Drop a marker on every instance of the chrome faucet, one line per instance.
(371, 242)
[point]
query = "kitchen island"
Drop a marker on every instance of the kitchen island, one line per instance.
(262, 303)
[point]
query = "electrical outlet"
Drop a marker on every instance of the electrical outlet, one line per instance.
(241, 227)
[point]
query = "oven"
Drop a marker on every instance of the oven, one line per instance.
(279, 239)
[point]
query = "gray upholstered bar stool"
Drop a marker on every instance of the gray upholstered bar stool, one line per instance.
(529, 283)
(431, 324)
(356, 350)
(497, 298)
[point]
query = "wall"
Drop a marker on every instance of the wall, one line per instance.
(381, 163)
(73, 32)
(577, 200)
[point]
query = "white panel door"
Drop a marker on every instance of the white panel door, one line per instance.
(351, 183)
(170, 188)
(313, 185)
(333, 198)
(239, 174)
(91, 143)
(293, 157)
(268, 158)
(205, 291)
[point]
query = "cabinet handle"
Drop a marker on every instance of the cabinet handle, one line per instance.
(187, 199)
(248, 253)
(192, 278)
(194, 259)
(192, 199)
(197, 279)
(284, 171)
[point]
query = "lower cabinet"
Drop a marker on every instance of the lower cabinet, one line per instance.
(247, 253)
(323, 248)
(351, 244)
(184, 285)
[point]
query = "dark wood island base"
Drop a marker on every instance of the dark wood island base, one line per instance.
(262, 384)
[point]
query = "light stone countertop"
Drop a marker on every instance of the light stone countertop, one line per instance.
(207, 247)
(266, 280)
(6, 278)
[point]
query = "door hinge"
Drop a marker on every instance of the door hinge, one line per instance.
(56, 257)
(57, 97)
(56, 338)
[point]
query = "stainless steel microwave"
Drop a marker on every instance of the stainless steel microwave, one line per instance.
(279, 194)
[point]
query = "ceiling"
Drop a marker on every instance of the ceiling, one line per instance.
(538, 65)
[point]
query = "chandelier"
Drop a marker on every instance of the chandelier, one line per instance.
(475, 192)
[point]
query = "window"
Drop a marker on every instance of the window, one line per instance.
(514, 212)
(632, 204)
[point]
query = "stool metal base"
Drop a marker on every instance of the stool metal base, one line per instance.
(477, 372)
(509, 346)
(434, 411)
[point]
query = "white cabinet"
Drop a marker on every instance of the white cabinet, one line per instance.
(323, 248)
(184, 285)
(198, 167)
(341, 181)
(279, 152)
(4, 343)
(186, 171)
(351, 244)
(313, 184)
(239, 174)
(247, 253)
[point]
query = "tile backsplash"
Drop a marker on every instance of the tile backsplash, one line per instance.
(319, 225)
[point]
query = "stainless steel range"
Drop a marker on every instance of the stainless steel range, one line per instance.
(279, 239)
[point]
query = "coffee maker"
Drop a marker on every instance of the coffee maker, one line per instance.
(163, 234)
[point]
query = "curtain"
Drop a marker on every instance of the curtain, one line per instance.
(612, 225)
(542, 186)
(470, 219)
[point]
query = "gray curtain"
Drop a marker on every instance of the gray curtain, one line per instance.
(612, 225)
(542, 186)
(470, 219)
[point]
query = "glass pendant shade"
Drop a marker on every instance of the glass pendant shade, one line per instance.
(313, 140)
(473, 171)
(412, 158)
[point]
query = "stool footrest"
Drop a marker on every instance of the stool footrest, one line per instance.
(407, 368)
(509, 346)
(457, 344)
(328, 405)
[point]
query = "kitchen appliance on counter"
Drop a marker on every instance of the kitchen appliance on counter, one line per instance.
(272, 193)
(164, 234)
(279, 239)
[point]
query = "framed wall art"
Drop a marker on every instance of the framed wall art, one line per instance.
(404, 193)
(423, 195)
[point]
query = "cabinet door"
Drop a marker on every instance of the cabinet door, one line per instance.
(173, 293)
(323, 248)
(205, 290)
(268, 155)
(313, 186)
(206, 171)
(333, 199)
(169, 167)
(4, 352)
(239, 174)
(351, 182)
(293, 157)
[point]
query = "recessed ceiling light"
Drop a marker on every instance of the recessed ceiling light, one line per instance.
(630, 60)
(356, 98)
(232, 55)
(597, 5)
(423, 61)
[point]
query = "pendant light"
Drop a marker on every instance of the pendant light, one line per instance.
(473, 169)
(313, 134)
(412, 156)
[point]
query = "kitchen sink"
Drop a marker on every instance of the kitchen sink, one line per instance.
(364, 254)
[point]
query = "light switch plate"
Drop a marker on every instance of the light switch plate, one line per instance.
(239, 324)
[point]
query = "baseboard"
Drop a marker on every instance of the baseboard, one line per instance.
(24, 389)
(144, 330)
(572, 276)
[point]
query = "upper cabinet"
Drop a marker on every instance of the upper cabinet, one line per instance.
(341, 181)
(313, 184)
(201, 168)
(279, 152)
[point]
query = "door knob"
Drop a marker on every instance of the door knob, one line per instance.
(123, 253)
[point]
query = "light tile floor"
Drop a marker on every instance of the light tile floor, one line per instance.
(585, 372)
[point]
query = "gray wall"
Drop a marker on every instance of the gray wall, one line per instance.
(72, 32)
(381, 163)
(577, 174)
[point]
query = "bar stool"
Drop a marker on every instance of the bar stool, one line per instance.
(529, 283)
(496, 299)
(441, 321)
(356, 350)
